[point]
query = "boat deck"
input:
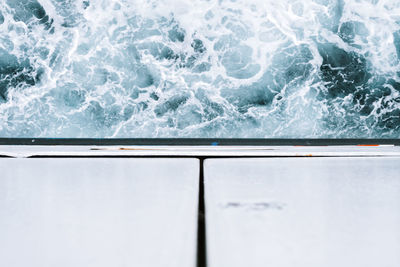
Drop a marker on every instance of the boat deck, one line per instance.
(278, 206)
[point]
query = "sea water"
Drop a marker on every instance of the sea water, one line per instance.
(200, 68)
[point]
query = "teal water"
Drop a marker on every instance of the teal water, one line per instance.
(200, 68)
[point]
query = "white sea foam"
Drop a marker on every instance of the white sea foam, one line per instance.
(200, 68)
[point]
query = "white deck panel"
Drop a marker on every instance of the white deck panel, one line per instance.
(303, 212)
(98, 212)
(204, 151)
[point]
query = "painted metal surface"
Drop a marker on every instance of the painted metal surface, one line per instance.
(199, 151)
(98, 212)
(303, 212)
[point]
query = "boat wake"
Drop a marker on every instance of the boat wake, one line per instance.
(200, 68)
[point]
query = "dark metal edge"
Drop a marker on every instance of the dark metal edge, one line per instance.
(193, 142)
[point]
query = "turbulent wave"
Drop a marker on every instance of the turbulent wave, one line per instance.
(200, 68)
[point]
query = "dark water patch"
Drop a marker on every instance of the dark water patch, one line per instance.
(189, 62)
(37, 9)
(14, 73)
(146, 77)
(85, 4)
(8, 62)
(16, 78)
(343, 72)
(159, 51)
(1, 18)
(373, 110)
(395, 84)
(48, 23)
(142, 105)
(289, 67)
(154, 96)
(176, 34)
(168, 53)
(171, 104)
(366, 100)
(377, 89)
(259, 93)
(388, 110)
(198, 46)
(26, 10)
